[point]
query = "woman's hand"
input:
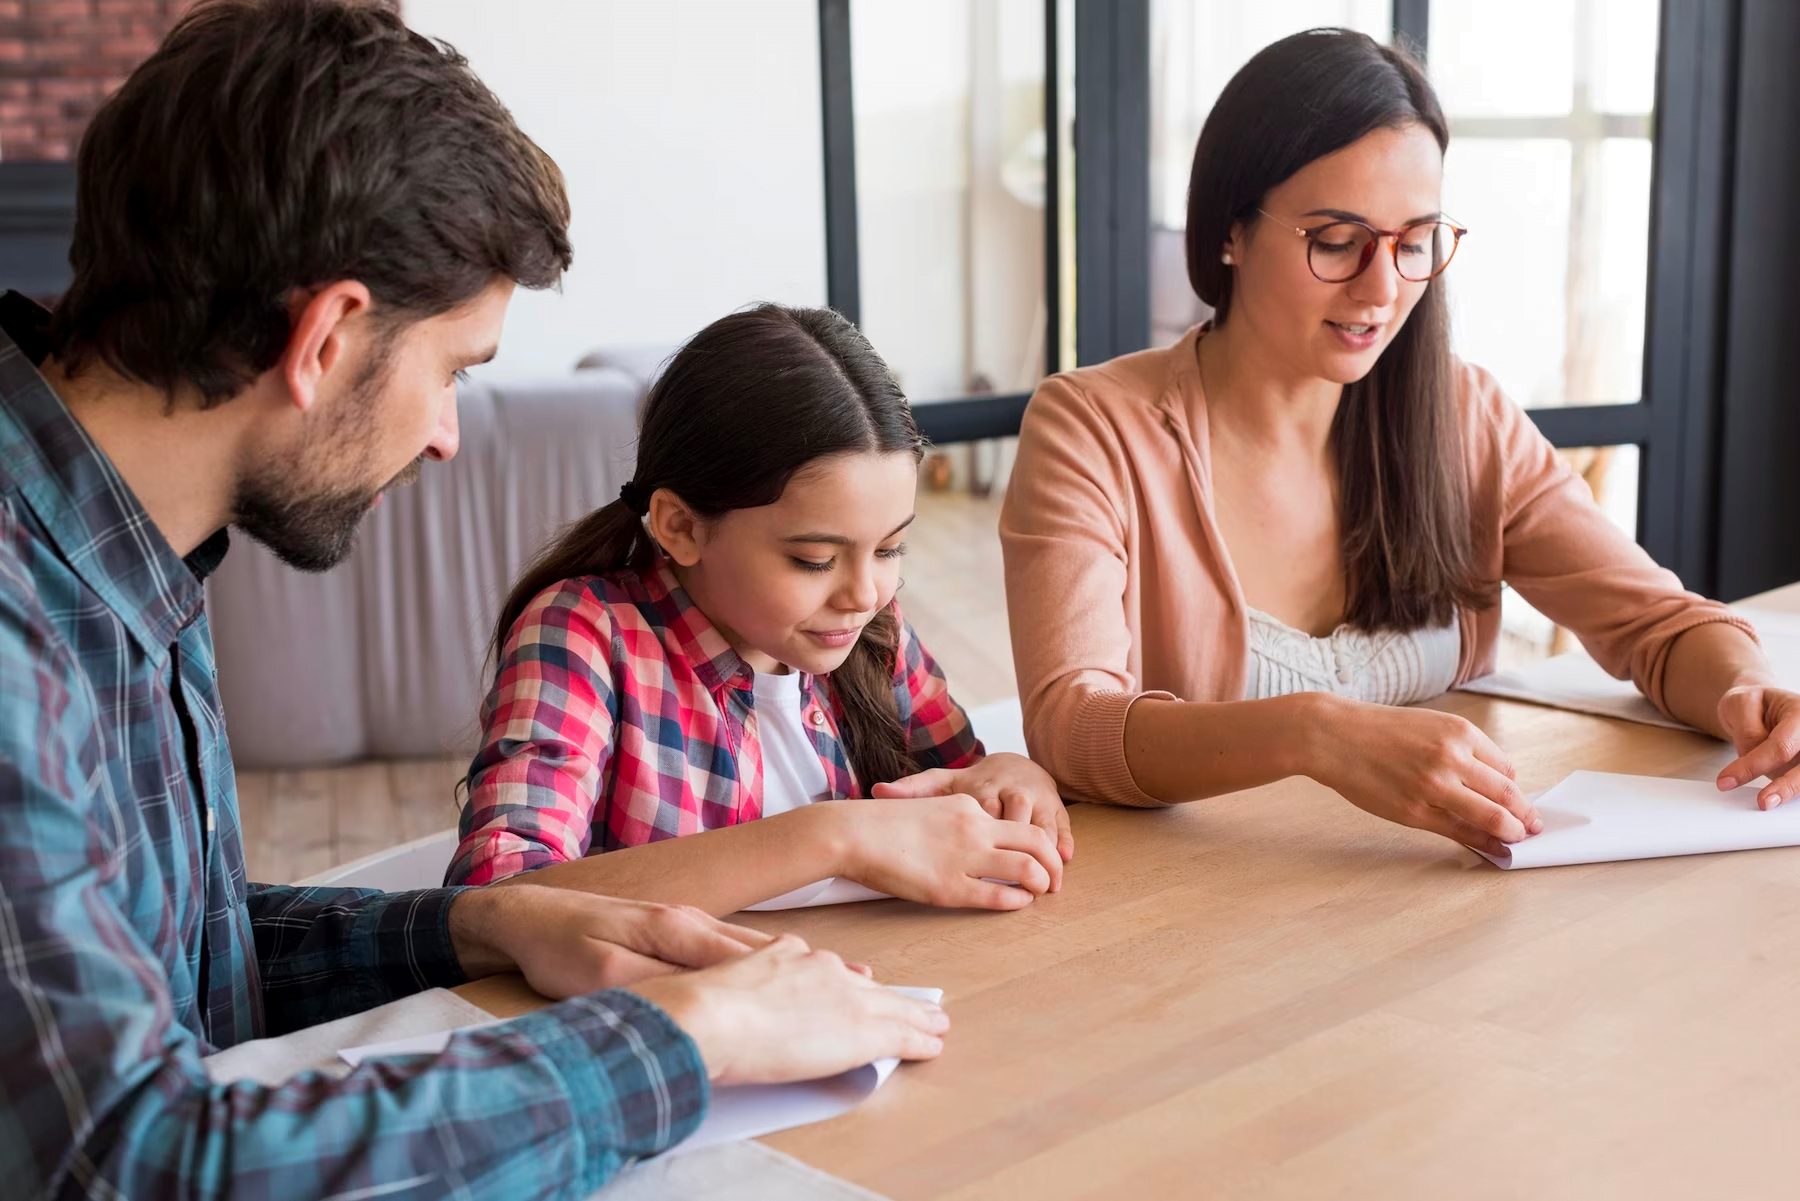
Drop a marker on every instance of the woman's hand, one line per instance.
(1763, 723)
(1429, 770)
(945, 851)
(1008, 786)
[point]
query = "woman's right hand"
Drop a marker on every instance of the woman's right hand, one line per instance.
(945, 851)
(1429, 770)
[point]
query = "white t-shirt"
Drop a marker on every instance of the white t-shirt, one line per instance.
(792, 774)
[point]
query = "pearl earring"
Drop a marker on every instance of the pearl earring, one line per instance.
(1225, 257)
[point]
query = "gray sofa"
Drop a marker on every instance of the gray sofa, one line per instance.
(383, 657)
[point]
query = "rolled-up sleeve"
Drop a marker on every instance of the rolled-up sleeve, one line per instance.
(1062, 531)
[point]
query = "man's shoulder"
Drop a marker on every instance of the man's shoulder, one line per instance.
(42, 686)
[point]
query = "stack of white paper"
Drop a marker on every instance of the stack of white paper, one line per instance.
(1598, 817)
(1574, 681)
(822, 892)
(737, 1112)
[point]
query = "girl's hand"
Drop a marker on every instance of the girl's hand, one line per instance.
(1429, 770)
(1764, 725)
(945, 851)
(1008, 786)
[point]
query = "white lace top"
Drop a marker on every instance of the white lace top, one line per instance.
(1386, 668)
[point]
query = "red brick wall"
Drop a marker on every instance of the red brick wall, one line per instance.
(60, 58)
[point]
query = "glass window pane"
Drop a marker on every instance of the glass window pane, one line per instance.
(1550, 168)
(949, 103)
(1480, 51)
(1195, 48)
(1507, 286)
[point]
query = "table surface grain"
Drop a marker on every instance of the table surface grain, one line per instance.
(1273, 994)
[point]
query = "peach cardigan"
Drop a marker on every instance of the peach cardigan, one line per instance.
(1118, 585)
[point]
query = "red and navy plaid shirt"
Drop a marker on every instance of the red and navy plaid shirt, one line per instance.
(620, 716)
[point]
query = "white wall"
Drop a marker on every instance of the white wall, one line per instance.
(689, 133)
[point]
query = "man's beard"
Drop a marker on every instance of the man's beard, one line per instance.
(308, 530)
(311, 527)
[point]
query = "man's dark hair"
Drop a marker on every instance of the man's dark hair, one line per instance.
(273, 146)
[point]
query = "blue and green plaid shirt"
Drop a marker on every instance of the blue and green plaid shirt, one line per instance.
(131, 944)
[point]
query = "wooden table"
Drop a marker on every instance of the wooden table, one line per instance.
(1273, 994)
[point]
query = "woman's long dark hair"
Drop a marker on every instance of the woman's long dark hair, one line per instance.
(1403, 492)
(751, 400)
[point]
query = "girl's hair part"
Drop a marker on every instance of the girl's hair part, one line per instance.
(1404, 504)
(749, 402)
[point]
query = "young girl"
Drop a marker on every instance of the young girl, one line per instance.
(721, 645)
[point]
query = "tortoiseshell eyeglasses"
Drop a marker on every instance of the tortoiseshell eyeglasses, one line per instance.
(1342, 250)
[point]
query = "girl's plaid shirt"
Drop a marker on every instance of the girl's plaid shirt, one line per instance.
(620, 716)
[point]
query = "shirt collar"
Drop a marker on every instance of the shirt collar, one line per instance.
(91, 515)
(698, 639)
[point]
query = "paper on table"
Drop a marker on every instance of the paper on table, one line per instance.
(1600, 817)
(832, 891)
(737, 1111)
(1574, 681)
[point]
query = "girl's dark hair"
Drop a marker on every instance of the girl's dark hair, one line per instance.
(1403, 504)
(750, 401)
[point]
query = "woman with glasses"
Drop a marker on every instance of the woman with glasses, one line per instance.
(1235, 559)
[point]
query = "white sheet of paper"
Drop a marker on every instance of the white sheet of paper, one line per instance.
(832, 891)
(1600, 817)
(1574, 681)
(737, 1112)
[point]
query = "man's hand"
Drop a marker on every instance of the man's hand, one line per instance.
(1008, 786)
(1764, 726)
(786, 1013)
(566, 943)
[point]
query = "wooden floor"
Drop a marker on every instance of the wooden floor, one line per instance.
(300, 822)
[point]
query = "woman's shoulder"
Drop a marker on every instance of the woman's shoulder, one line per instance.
(1119, 408)
(1132, 384)
(1494, 425)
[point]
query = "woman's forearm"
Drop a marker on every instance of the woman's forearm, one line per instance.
(1189, 750)
(720, 871)
(1705, 663)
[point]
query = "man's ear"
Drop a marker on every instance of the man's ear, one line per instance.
(676, 528)
(317, 338)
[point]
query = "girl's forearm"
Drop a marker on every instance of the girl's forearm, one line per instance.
(720, 871)
(1704, 664)
(1189, 750)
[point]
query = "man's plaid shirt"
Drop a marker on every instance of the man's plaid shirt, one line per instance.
(132, 945)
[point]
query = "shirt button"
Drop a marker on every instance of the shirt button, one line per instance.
(1343, 675)
(818, 717)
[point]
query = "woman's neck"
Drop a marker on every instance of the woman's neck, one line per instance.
(1256, 397)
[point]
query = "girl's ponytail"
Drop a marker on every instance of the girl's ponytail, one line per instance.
(611, 538)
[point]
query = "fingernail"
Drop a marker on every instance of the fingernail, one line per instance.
(1727, 783)
(1536, 826)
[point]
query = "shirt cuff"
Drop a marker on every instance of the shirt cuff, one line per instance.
(635, 1080)
(410, 936)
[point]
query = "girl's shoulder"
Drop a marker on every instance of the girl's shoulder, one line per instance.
(599, 604)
